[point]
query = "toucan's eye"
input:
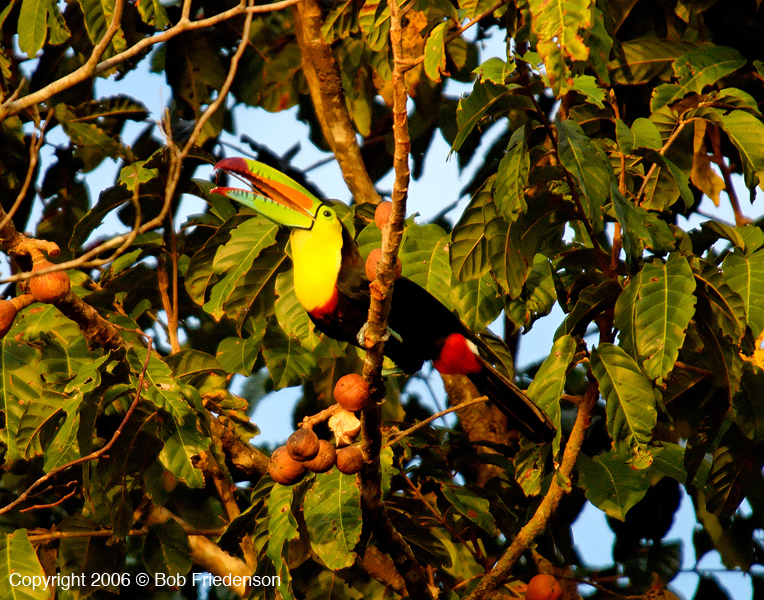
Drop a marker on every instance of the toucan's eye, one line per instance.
(327, 213)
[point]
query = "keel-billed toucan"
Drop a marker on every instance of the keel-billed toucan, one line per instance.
(331, 284)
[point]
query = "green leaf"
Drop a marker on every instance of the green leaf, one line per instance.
(339, 23)
(18, 557)
(93, 143)
(513, 247)
(238, 355)
(549, 383)
(291, 315)
(726, 304)
(632, 219)
(486, 98)
(435, 52)
(39, 420)
(333, 517)
(477, 302)
(161, 388)
(288, 362)
(631, 412)
(98, 17)
(539, 297)
(166, 549)
(746, 132)
(185, 443)
(580, 158)
(556, 25)
(282, 527)
(586, 85)
(593, 300)
(512, 178)
(471, 505)
(610, 484)
(748, 404)
(640, 60)
(493, 69)
(745, 275)
(425, 256)
(737, 463)
(64, 447)
(33, 25)
(20, 384)
(624, 137)
(153, 12)
(236, 258)
(646, 134)
(656, 313)
(468, 250)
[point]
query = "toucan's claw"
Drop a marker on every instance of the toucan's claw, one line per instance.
(361, 336)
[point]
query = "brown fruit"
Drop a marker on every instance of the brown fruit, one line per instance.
(543, 587)
(382, 214)
(373, 260)
(352, 392)
(7, 315)
(284, 469)
(325, 459)
(350, 459)
(51, 287)
(303, 444)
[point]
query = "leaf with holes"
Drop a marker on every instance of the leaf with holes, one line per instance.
(333, 518)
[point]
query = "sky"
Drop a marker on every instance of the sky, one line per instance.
(436, 188)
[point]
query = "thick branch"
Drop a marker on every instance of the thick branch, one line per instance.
(323, 76)
(205, 553)
(539, 520)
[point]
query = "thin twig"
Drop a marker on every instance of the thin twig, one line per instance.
(93, 455)
(93, 67)
(398, 437)
(52, 504)
(59, 535)
(34, 155)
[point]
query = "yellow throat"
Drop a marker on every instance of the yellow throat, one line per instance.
(317, 258)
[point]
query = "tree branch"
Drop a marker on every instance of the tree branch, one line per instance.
(388, 539)
(92, 67)
(325, 84)
(549, 504)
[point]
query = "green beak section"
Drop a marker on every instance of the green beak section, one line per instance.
(272, 194)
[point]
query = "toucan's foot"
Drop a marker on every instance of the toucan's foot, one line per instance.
(361, 335)
(393, 372)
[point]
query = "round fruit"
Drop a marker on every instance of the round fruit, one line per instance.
(350, 459)
(382, 214)
(303, 444)
(352, 392)
(371, 265)
(284, 469)
(543, 587)
(325, 459)
(51, 287)
(7, 315)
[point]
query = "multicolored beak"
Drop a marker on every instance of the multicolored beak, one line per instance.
(272, 194)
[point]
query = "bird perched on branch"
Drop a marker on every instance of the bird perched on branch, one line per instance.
(331, 284)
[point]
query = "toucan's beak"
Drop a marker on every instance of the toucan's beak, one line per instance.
(272, 194)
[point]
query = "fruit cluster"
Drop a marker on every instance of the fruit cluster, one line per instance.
(48, 288)
(304, 452)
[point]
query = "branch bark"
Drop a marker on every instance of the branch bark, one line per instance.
(325, 84)
(388, 539)
(549, 504)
